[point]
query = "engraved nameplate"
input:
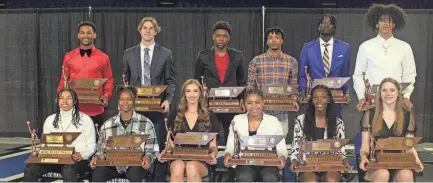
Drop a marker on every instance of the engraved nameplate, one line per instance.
(54, 139)
(57, 152)
(257, 141)
(222, 93)
(49, 160)
(144, 91)
(276, 90)
(321, 146)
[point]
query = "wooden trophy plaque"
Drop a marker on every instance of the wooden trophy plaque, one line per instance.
(226, 100)
(86, 89)
(149, 98)
(55, 154)
(321, 162)
(334, 84)
(266, 157)
(280, 97)
(393, 160)
(122, 150)
(194, 147)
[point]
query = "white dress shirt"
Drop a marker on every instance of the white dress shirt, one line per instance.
(142, 47)
(330, 47)
(85, 143)
(379, 59)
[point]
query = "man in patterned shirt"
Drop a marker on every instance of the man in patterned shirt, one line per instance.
(128, 122)
(273, 67)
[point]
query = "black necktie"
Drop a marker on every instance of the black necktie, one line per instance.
(89, 52)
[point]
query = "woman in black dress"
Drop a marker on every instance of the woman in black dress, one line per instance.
(191, 115)
(388, 119)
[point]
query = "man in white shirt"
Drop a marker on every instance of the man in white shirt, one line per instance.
(385, 56)
(67, 119)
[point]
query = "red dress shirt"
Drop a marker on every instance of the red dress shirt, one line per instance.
(96, 66)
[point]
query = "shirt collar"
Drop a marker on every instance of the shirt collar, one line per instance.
(383, 41)
(134, 118)
(151, 47)
(330, 42)
(280, 54)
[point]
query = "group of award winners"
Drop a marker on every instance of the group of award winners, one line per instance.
(385, 60)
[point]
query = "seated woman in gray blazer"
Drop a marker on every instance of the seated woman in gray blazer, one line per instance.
(255, 122)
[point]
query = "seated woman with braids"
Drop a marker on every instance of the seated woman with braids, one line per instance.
(191, 115)
(319, 122)
(389, 118)
(68, 118)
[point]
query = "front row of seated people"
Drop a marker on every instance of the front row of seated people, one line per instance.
(388, 119)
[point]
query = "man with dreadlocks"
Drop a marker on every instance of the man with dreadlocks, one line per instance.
(385, 56)
(127, 122)
(68, 118)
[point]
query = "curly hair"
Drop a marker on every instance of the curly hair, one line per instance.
(275, 30)
(203, 120)
(395, 13)
(310, 115)
(222, 25)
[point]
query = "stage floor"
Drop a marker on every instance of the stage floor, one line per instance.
(14, 151)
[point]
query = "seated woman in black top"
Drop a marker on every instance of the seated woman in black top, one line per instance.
(191, 115)
(389, 119)
(319, 122)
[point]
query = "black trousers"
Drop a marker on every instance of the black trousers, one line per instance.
(106, 173)
(34, 171)
(252, 173)
(225, 120)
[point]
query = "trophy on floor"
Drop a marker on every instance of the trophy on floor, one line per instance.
(321, 156)
(281, 97)
(54, 148)
(255, 150)
(120, 150)
(188, 146)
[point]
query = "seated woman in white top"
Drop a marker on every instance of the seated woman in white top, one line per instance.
(255, 122)
(319, 122)
(68, 118)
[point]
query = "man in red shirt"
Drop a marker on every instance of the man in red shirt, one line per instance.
(221, 66)
(88, 62)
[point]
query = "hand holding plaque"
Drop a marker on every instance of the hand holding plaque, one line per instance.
(195, 148)
(51, 152)
(122, 150)
(394, 160)
(251, 156)
(149, 98)
(280, 98)
(332, 161)
(226, 100)
(335, 84)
